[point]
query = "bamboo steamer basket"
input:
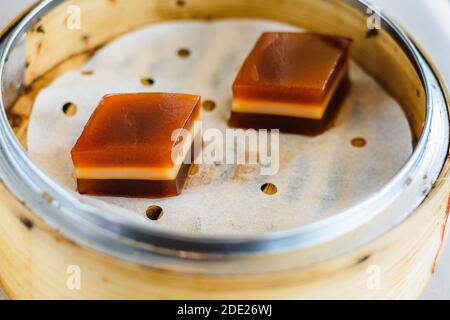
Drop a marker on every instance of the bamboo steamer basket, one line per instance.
(395, 237)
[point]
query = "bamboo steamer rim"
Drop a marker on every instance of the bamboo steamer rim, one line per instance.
(46, 198)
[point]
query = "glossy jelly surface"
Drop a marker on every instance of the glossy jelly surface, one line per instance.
(135, 131)
(292, 67)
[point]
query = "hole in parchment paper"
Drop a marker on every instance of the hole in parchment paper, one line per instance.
(208, 105)
(69, 109)
(359, 142)
(154, 213)
(269, 189)
(184, 53)
(147, 82)
(87, 72)
(181, 3)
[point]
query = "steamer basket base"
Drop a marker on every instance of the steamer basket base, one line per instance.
(388, 268)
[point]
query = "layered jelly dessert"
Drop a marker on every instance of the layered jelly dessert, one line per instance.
(293, 82)
(134, 145)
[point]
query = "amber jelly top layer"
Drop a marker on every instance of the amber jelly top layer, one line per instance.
(134, 132)
(292, 68)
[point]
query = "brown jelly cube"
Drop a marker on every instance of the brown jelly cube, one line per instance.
(126, 146)
(296, 79)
